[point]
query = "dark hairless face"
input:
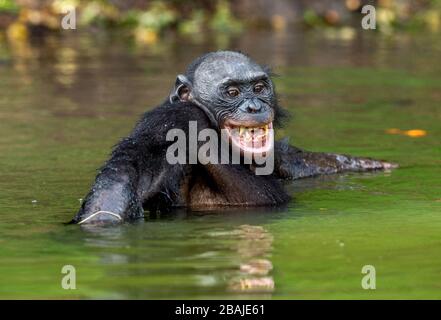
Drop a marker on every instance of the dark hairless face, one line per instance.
(237, 95)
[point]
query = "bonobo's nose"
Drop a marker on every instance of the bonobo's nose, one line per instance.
(251, 106)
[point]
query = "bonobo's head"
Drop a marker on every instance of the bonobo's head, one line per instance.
(236, 93)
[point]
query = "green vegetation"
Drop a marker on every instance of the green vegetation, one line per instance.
(146, 24)
(151, 20)
(8, 6)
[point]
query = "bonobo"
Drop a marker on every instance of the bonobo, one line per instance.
(224, 91)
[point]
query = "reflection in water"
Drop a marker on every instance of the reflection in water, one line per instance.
(94, 73)
(254, 248)
(66, 66)
(205, 253)
(226, 258)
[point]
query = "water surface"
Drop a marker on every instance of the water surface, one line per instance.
(65, 102)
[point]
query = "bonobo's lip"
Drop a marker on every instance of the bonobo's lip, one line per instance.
(250, 137)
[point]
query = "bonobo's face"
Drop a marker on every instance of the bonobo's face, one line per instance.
(238, 94)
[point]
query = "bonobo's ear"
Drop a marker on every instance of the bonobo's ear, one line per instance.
(181, 90)
(269, 71)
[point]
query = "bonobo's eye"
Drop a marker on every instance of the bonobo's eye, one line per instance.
(233, 91)
(259, 87)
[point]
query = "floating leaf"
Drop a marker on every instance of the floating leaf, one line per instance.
(415, 133)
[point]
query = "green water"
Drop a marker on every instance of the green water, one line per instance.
(65, 102)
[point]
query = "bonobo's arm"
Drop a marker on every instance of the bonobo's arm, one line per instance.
(113, 196)
(294, 163)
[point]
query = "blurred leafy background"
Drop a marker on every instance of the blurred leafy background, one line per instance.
(150, 21)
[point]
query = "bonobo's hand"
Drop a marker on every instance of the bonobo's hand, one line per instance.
(295, 163)
(111, 200)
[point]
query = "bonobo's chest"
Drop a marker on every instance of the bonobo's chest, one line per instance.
(205, 187)
(199, 191)
(220, 186)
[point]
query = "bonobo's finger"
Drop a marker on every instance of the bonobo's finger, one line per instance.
(101, 217)
(389, 165)
(110, 201)
(349, 163)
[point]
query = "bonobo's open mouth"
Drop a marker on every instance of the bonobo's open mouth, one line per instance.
(251, 138)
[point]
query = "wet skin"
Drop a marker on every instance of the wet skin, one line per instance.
(220, 90)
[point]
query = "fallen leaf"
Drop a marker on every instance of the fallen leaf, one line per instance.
(415, 133)
(393, 131)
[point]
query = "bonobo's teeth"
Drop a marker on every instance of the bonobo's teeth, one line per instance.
(246, 131)
(254, 139)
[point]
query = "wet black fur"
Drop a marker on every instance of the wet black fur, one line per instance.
(137, 176)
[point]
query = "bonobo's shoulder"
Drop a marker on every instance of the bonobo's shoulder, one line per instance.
(167, 116)
(179, 110)
(175, 114)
